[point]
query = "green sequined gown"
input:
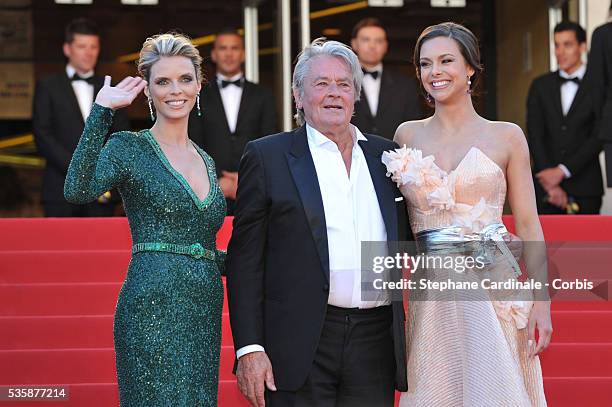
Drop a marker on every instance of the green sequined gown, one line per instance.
(168, 317)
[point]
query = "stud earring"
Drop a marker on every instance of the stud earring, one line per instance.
(198, 105)
(151, 110)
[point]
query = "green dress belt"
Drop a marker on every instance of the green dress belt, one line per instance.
(194, 250)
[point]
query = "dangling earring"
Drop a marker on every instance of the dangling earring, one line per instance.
(428, 98)
(469, 85)
(198, 105)
(151, 110)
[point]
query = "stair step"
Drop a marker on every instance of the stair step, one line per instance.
(58, 332)
(582, 326)
(58, 299)
(578, 391)
(76, 234)
(76, 299)
(577, 360)
(107, 394)
(560, 392)
(75, 365)
(56, 266)
(581, 305)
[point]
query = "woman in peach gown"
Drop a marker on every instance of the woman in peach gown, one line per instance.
(469, 348)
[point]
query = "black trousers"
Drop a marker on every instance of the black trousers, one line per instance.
(588, 206)
(68, 210)
(354, 364)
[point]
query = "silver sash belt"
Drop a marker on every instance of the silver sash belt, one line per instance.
(451, 239)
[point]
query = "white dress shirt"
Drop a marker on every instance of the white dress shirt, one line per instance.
(568, 93)
(230, 96)
(371, 88)
(83, 91)
(352, 215)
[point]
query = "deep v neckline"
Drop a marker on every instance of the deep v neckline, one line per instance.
(465, 156)
(200, 203)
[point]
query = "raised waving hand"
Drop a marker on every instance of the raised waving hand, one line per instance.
(120, 95)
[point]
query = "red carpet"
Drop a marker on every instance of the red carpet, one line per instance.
(59, 281)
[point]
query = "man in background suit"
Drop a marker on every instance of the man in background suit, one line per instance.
(234, 112)
(599, 75)
(62, 103)
(562, 131)
(388, 98)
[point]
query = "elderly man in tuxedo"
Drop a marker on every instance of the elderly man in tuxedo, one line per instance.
(62, 103)
(303, 333)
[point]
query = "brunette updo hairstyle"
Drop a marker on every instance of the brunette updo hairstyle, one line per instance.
(465, 39)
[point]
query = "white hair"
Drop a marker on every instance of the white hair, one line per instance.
(320, 47)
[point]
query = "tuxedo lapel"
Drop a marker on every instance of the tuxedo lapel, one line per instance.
(304, 175)
(246, 93)
(365, 105)
(73, 103)
(216, 95)
(577, 102)
(386, 88)
(555, 89)
(384, 189)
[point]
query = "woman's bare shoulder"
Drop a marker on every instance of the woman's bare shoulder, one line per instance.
(407, 131)
(509, 134)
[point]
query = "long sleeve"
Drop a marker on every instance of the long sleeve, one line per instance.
(47, 143)
(268, 119)
(536, 130)
(596, 75)
(95, 167)
(245, 258)
(587, 152)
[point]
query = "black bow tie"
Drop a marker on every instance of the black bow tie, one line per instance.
(77, 77)
(574, 79)
(237, 82)
(374, 74)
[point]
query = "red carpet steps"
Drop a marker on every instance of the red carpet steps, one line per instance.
(59, 281)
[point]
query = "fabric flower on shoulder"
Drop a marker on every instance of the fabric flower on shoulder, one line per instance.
(407, 166)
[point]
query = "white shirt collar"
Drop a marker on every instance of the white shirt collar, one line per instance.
(579, 73)
(318, 139)
(378, 68)
(70, 71)
(221, 77)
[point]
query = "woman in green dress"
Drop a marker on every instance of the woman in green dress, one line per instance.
(168, 317)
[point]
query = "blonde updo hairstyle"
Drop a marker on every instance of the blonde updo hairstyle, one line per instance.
(168, 45)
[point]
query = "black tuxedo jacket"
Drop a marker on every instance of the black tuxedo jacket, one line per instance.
(278, 259)
(58, 124)
(256, 118)
(398, 102)
(570, 140)
(599, 75)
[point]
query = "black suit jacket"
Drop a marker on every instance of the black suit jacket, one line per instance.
(278, 260)
(58, 124)
(398, 102)
(256, 118)
(570, 140)
(599, 76)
